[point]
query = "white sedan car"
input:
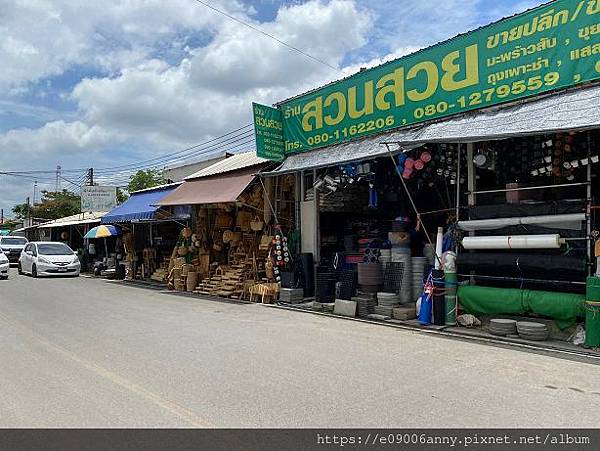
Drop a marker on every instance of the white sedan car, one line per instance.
(44, 258)
(4, 265)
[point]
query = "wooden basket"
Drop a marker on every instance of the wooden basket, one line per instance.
(256, 224)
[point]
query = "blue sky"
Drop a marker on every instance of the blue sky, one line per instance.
(98, 84)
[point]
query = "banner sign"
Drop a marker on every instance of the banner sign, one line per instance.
(268, 128)
(548, 48)
(98, 198)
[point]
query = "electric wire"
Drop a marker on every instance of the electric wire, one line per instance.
(258, 30)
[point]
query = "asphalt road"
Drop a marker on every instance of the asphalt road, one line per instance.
(92, 353)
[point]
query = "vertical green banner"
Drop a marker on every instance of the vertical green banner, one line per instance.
(268, 126)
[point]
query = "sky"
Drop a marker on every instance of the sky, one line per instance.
(113, 83)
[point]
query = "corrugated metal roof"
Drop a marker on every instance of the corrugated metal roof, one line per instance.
(157, 187)
(140, 206)
(81, 218)
(573, 110)
(232, 163)
(349, 152)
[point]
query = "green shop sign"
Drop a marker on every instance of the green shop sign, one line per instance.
(268, 128)
(551, 47)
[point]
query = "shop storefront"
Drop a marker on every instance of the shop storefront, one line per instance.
(148, 234)
(482, 210)
(225, 249)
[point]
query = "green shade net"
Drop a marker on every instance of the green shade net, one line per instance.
(564, 308)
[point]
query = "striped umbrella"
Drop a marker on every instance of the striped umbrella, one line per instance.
(102, 231)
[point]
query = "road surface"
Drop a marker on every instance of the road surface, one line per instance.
(93, 353)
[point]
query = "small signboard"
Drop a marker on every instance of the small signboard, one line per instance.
(268, 126)
(98, 198)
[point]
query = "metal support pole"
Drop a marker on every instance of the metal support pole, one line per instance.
(471, 178)
(317, 236)
(589, 202)
(458, 154)
(297, 200)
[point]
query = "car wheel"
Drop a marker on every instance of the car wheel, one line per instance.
(34, 271)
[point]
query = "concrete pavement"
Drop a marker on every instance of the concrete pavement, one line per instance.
(92, 353)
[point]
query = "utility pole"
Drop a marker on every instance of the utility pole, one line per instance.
(91, 176)
(28, 212)
(57, 187)
(35, 187)
(1, 215)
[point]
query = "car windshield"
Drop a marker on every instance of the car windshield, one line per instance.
(54, 249)
(14, 241)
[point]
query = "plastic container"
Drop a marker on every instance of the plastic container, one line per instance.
(592, 324)
(451, 281)
(593, 289)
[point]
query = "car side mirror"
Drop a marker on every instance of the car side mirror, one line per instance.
(29, 253)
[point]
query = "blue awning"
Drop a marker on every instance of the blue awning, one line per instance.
(140, 206)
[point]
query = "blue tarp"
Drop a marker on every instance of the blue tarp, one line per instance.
(139, 207)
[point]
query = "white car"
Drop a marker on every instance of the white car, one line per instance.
(4, 265)
(45, 258)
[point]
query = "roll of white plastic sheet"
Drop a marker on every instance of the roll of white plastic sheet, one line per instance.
(569, 221)
(439, 247)
(512, 242)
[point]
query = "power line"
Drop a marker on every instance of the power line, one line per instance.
(246, 24)
(165, 158)
(190, 152)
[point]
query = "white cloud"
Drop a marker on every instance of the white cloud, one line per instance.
(211, 92)
(171, 74)
(43, 38)
(58, 137)
(239, 58)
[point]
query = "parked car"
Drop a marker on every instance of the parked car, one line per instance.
(4, 265)
(13, 246)
(46, 258)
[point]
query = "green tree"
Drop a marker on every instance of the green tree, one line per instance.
(145, 179)
(122, 196)
(21, 211)
(54, 205)
(57, 204)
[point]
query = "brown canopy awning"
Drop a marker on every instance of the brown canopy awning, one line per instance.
(210, 190)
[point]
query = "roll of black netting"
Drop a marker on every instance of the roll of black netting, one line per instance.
(393, 274)
(307, 274)
(517, 210)
(520, 265)
(326, 287)
(439, 298)
(348, 281)
(287, 279)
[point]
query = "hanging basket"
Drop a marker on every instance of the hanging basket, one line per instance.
(256, 224)
(227, 236)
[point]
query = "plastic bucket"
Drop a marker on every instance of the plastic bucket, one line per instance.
(592, 324)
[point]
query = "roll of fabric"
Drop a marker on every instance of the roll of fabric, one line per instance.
(439, 300)
(512, 242)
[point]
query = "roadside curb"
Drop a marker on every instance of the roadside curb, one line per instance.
(565, 354)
